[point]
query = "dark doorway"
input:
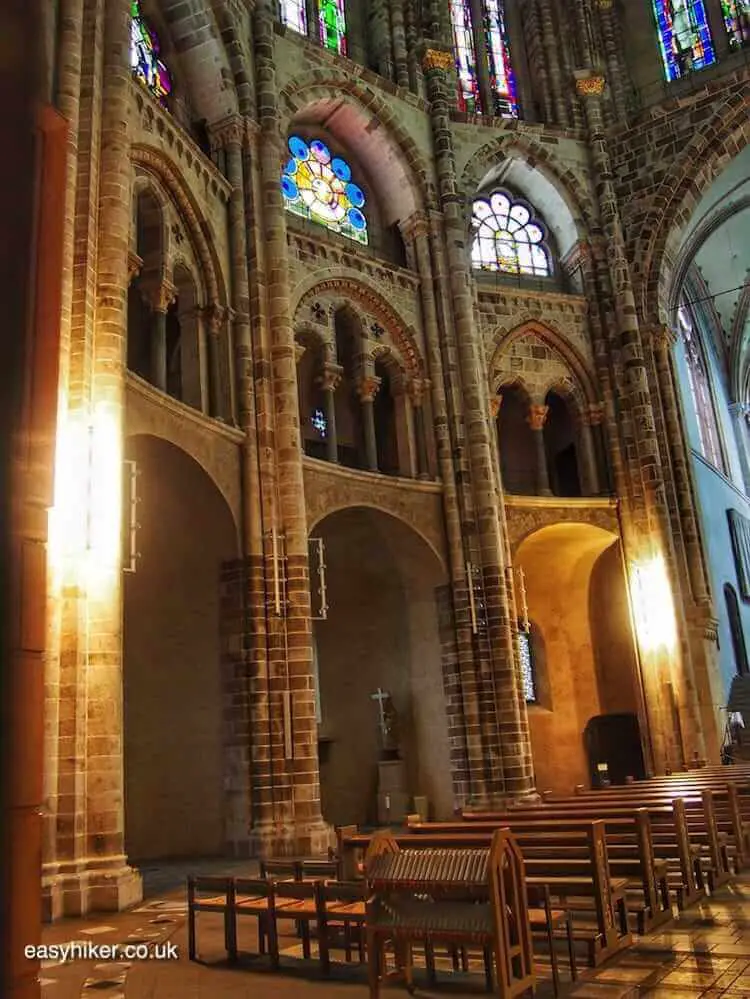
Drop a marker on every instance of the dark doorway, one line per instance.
(614, 742)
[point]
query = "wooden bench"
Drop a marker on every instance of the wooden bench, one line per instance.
(584, 882)
(457, 897)
(632, 857)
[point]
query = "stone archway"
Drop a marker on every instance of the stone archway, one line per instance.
(577, 599)
(385, 589)
(173, 743)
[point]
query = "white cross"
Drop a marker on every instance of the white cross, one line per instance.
(381, 696)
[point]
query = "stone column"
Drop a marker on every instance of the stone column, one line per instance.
(398, 35)
(536, 419)
(551, 50)
(617, 71)
(416, 394)
(329, 381)
(367, 389)
(739, 411)
(648, 510)
(215, 318)
(159, 295)
(506, 723)
(589, 461)
(296, 792)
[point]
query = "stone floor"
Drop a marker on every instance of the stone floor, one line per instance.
(705, 953)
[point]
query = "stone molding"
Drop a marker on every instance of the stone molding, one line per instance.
(330, 378)
(590, 86)
(159, 293)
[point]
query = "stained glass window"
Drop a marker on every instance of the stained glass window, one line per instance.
(737, 21)
(700, 389)
(684, 36)
(526, 655)
(319, 422)
(501, 72)
(294, 15)
(507, 238)
(144, 56)
(333, 25)
(466, 57)
(319, 186)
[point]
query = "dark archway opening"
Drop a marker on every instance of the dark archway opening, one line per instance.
(516, 442)
(560, 447)
(735, 627)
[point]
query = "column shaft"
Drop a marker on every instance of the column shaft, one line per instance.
(158, 347)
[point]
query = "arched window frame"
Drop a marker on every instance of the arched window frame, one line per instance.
(487, 216)
(493, 92)
(737, 22)
(701, 393)
(312, 163)
(145, 63)
(684, 36)
(294, 15)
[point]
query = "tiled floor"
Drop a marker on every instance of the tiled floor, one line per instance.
(705, 954)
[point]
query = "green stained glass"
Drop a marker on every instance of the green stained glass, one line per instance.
(333, 25)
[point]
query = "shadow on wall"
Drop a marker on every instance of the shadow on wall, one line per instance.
(172, 678)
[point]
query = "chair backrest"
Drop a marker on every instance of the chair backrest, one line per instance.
(257, 887)
(320, 868)
(343, 891)
(298, 890)
(281, 869)
(201, 885)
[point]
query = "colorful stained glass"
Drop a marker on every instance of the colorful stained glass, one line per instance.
(528, 678)
(319, 422)
(684, 36)
(319, 186)
(466, 57)
(737, 21)
(144, 56)
(501, 72)
(507, 238)
(333, 25)
(294, 15)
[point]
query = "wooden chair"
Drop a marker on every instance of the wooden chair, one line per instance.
(298, 900)
(281, 869)
(257, 898)
(544, 919)
(316, 870)
(342, 904)
(216, 895)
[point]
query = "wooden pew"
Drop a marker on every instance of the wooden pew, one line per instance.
(631, 857)
(568, 878)
(670, 836)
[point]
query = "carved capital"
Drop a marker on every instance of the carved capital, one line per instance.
(604, 4)
(739, 410)
(135, 263)
(367, 387)
(663, 337)
(228, 132)
(416, 388)
(437, 59)
(215, 317)
(537, 417)
(330, 378)
(159, 293)
(594, 414)
(590, 86)
(495, 403)
(416, 226)
(703, 620)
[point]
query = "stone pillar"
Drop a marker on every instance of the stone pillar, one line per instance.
(536, 419)
(647, 512)
(505, 722)
(739, 411)
(329, 381)
(617, 71)
(589, 461)
(416, 393)
(215, 318)
(398, 35)
(159, 295)
(293, 819)
(367, 389)
(551, 51)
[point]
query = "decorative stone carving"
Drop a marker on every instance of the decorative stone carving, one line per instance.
(664, 337)
(135, 263)
(537, 417)
(416, 388)
(215, 317)
(436, 59)
(367, 387)
(330, 378)
(229, 132)
(594, 414)
(495, 403)
(590, 86)
(159, 293)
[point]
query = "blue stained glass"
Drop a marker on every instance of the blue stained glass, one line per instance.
(299, 149)
(355, 195)
(319, 422)
(317, 188)
(341, 169)
(684, 36)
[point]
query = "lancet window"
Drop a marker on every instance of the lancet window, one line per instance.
(508, 238)
(487, 40)
(333, 25)
(684, 36)
(319, 186)
(144, 56)
(294, 15)
(700, 389)
(528, 672)
(737, 21)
